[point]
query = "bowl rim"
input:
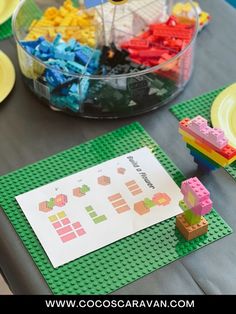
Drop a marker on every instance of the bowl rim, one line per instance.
(109, 76)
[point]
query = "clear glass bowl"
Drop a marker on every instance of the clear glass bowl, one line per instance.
(110, 92)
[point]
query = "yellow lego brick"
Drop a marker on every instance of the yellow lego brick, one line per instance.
(51, 13)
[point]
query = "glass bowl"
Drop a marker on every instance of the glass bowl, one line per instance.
(129, 65)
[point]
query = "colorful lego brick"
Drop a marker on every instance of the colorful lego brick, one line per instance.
(212, 135)
(75, 67)
(212, 155)
(161, 199)
(202, 160)
(189, 215)
(194, 188)
(200, 139)
(229, 152)
(173, 32)
(104, 180)
(191, 232)
(196, 196)
(141, 208)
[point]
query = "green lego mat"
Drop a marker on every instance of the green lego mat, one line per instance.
(124, 261)
(29, 12)
(5, 30)
(200, 105)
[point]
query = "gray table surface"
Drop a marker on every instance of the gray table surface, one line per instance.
(30, 132)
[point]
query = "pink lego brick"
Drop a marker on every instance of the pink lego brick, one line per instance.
(198, 128)
(202, 209)
(195, 187)
(217, 138)
(198, 124)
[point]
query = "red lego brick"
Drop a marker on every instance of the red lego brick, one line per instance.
(139, 44)
(228, 152)
(173, 32)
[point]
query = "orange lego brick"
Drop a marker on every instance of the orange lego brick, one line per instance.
(188, 231)
(140, 208)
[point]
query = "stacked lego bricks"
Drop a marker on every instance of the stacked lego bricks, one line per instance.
(195, 204)
(208, 146)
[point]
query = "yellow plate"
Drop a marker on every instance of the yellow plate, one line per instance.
(7, 8)
(223, 113)
(7, 76)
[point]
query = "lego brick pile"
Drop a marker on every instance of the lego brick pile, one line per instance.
(160, 43)
(64, 40)
(69, 21)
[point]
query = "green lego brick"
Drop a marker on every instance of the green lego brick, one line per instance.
(200, 105)
(191, 218)
(5, 30)
(124, 261)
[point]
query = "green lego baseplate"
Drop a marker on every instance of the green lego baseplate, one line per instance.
(200, 105)
(5, 30)
(29, 12)
(124, 261)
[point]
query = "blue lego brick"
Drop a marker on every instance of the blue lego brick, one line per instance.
(54, 77)
(45, 47)
(57, 39)
(75, 67)
(203, 161)
(62, 55)
(32, 44)
(71, 45)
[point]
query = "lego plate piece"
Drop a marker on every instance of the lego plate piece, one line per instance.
(7, 8)
(223, 113)
(7, 76)
(90, 209)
